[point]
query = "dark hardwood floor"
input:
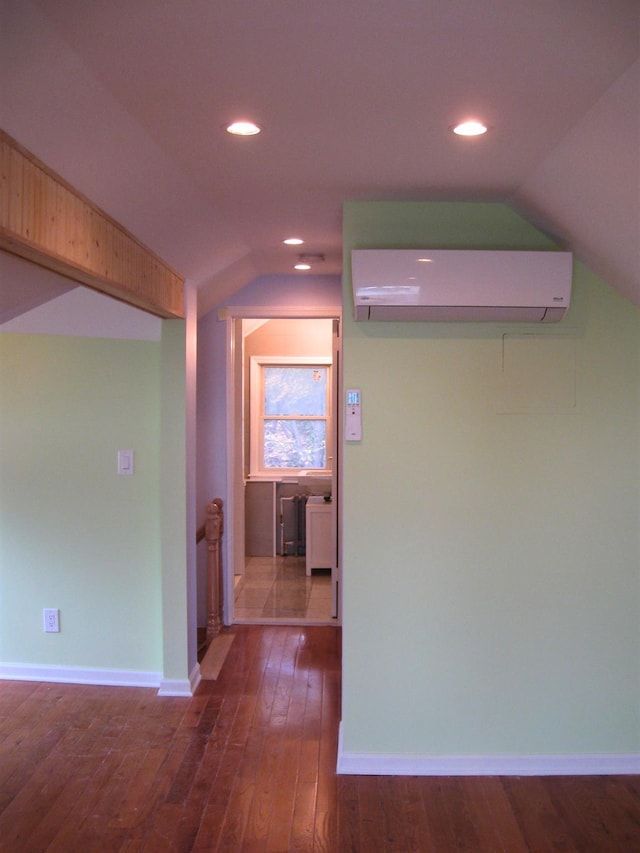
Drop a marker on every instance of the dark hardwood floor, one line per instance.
(248, 764)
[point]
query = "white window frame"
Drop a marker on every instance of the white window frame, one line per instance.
(256, 414)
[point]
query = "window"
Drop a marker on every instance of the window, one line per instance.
(290, 415)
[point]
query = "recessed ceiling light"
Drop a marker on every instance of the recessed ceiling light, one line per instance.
(305, 261)
(470, 128)
(243, 128)
(425, 260)
(293, 241)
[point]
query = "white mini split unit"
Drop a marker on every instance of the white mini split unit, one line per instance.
(461, 285)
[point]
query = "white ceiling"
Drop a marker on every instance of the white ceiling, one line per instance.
(128, 100)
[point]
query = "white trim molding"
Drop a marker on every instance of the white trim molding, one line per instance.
(176, 687)
(195, 677)
(79, 675)
(394, 764)
(280, 312)
(181, 686)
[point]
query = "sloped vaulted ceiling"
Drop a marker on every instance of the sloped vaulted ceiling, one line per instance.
(128, 101)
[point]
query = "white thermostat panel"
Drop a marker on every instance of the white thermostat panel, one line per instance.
(353, 418)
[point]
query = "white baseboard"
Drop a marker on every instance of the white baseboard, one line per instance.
(195, 678)
(105, 677)
(79, 675)
(181, 686)
(391, 764)
(175, 687)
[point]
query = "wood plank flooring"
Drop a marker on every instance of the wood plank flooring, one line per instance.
(248, 764)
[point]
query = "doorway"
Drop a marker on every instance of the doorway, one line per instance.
(273, 574)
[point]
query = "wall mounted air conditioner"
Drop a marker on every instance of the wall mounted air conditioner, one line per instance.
(461, 285)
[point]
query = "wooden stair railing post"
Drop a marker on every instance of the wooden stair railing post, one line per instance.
(213, 535)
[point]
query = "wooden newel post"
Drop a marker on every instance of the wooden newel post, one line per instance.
(213, 535)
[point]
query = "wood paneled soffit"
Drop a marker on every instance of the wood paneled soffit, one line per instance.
(45, 220)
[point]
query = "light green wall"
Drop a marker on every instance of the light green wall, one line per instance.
(74, 534)
(173, 501)
(491, 560)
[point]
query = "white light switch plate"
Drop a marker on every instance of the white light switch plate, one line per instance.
(125, 462)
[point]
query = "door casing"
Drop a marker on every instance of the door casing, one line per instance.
(233, 545)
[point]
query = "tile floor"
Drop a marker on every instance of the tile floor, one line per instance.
(277, 589)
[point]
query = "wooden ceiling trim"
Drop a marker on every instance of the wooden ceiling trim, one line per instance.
(47, 221)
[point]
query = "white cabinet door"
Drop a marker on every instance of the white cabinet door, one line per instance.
(320, 539)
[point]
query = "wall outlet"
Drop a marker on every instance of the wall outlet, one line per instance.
(51, 619)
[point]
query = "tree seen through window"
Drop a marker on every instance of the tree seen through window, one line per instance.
(295, 416)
